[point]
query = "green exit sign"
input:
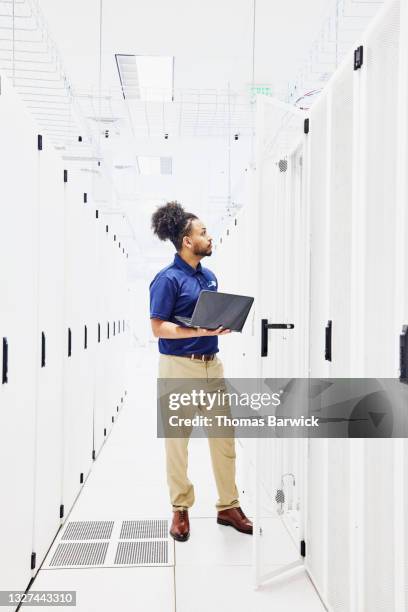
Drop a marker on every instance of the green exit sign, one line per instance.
(265, 90)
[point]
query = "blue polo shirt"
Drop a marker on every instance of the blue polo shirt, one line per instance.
(174, 292)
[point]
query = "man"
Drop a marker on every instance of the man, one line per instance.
(190, 353)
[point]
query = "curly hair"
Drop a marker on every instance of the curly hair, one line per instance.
(172, 222)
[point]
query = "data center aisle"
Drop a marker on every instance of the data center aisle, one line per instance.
(212, 571)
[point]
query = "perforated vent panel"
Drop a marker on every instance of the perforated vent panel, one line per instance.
(88, 530)
(141, 553)
(80, 553)
(140, 542)
(143, 530)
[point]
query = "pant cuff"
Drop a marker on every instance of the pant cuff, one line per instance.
(235, 504)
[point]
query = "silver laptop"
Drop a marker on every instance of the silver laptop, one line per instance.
(214, 308)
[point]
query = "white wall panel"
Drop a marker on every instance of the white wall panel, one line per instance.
(318, 236)
(50, 311)
(109, 337)
(338, 513)
(299, 264)
(378, 570)
(90, 301)
(77, 414)
(18, 282)
(120, 308)
(316, 529)
(100, 356)
(381, 130)
(86, 313)
(340, 193)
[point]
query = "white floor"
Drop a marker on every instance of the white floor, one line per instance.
(212, 571)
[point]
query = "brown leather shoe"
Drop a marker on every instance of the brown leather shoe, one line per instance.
(235, 517)
(180, 527)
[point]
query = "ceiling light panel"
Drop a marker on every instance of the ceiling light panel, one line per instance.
(150, 165)
(146, 77)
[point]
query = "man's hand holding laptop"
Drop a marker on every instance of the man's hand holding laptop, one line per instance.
(220, 331)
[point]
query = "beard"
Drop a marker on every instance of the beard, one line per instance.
(200, 252)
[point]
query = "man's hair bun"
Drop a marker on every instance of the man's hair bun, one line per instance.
(171, 222)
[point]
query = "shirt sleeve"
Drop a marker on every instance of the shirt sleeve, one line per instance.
(163, 295)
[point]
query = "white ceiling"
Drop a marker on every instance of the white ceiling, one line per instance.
(211, 41)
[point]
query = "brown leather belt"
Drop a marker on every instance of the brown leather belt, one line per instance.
(200, 357)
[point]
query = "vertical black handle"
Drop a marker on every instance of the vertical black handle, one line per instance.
(99, 332)
(328, 344)
(404, 355)
(358, 57)
(42, 350)
(4, 376)
(69, 342)
(85, 337)
(264, 337)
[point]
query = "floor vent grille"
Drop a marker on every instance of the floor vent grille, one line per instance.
(142, 553)
(79, 554)
(144, 530)
(88, 530)
(112, 544)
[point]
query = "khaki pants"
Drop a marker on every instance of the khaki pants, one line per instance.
(222, 450)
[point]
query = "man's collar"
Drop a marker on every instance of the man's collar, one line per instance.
(183, 265)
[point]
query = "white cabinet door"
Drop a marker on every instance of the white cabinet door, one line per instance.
(18, 301)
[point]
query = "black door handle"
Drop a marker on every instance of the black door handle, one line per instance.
(264, 333)
(4, 377)
(404, 355)
(328, 339)
(42, 349)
